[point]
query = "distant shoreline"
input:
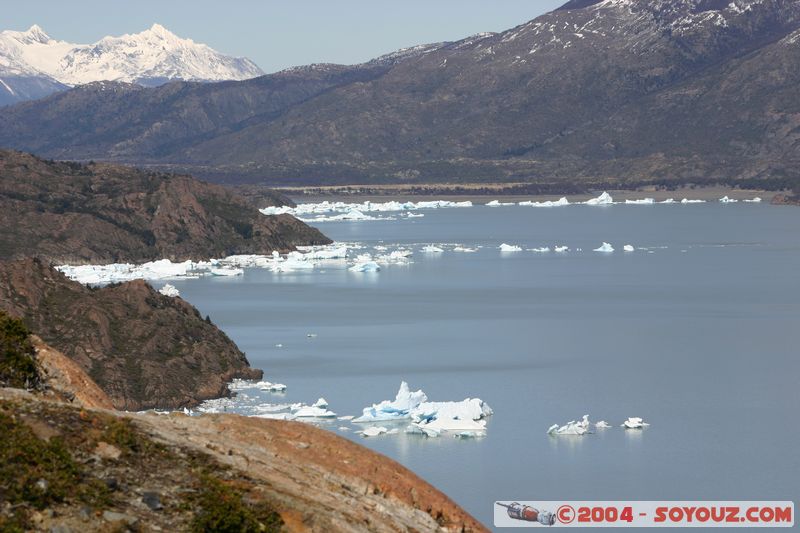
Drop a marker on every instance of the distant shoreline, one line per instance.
(500, 191)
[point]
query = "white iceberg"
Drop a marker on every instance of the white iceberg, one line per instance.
(510, 248)
(322, 403)
(169, 290)
(687, 201)
(311, 411)
(755, 200)
(643, 201)
(603, 199)
(605, 248)
(226, 271)
(634, 422)
(602, 424)
(628, 248)
(356, 211)
(570, 428)
(561, 249)
(431, 249)
(667, 201)
(548, 203)
(272, 387)
(365, 266)
(430, 418)
(464, 249)
(541, 250)
(374, 431)
(400, 408)
(726, 200)
(497, 203)
(415, 215)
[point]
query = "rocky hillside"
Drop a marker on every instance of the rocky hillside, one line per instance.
(611, 92)
(143, 349)
(100, 213)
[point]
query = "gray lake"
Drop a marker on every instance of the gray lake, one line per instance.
(699, 337)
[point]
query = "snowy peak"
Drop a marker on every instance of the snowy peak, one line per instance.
(150, 57)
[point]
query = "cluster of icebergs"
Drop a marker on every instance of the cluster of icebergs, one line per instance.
(583, 426)
(322, 211)
(604, 248)
(161, 269)
(466, 418)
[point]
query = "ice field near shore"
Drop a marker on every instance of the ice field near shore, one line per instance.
(685, 326)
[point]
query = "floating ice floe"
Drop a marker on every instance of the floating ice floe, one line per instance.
(634, 422)
(605, 248)
(643, 201)
(377, 430)
(603, 199)
(415, 215)
(365, 266)
(322, 403)
(431, 249)
(571, 428)
(430, 418)
(464, 249)
(346, 417)
(688, 201)
(602, 424)
(726, 200)
(312, 411)
(510, 248)
(497, 203)
(272, 387)
(667, 201)
(628, 248)
(226, 271)
(541, 250)
(561, 249)
(547, 203)
(169, 290)
(755, 200)
(354, 211)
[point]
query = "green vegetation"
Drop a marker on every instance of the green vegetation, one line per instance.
(18, 366)
(222, 509)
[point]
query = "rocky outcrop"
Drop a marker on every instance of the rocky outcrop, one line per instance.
(72, 213)
(786, 199)
(144, 350)
(179, 473)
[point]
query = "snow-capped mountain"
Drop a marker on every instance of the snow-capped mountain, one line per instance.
(34, 59)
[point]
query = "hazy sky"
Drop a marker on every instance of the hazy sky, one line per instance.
(279, 34)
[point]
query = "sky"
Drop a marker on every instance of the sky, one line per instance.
(279, 34)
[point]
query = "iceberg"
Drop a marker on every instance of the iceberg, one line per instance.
(603, 199)
(356, 211)
(643, 201)
(602, 424)
(400, 408)
(548, 203)
(668, 201)
(687, 201)
(464, 249)
(431, 249)
(726, 200)
(755, 200)
(310, 411)
(510, 248)
(321, 403)
(169, 290)
(226, 271)
(628, 248)
(544, 249)
(365, 266)
(605, 248)
(497, 203)
(570, 428)
(634, 422)
(430, 418)
(561, 249)
(415, 215)
(377, 430)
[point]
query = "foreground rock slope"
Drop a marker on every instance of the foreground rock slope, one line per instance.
(145, 350)
(95, 213)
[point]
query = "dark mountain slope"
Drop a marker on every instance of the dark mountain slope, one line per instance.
(71, 213)
(143, 349)
(595, 91)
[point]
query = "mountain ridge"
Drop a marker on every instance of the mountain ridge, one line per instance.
(614, 92)
(150, 57)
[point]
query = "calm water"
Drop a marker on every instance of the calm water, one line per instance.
(700, 338)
